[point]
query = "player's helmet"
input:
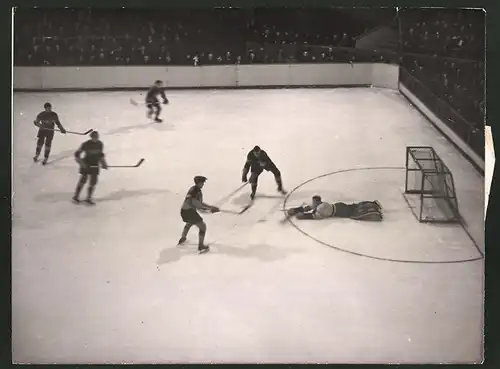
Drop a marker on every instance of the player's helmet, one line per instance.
(256, 150)
(94, 134)
(47, 105)
(317, 198)
(158, 82)
(199, 179)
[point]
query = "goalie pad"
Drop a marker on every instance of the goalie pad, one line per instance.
(293, 211)
(367, 213)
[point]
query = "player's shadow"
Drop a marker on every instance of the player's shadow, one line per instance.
(61, 156)
(128, 129)
(165, 126)
(244, 198)
(123, 194)
(53, 197)
(261, 252)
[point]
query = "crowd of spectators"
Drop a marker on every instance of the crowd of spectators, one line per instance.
(178, 36)
(443, 49)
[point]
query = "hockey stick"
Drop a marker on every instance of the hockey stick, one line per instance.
(70, 132)
(229, 212)
(245, 208)
(135, 103)
(227, 197)
(123, 166)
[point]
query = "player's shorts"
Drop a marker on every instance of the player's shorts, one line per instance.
(151, 103)
(343, 210)
(89, 171)
(191, 216)
(46, 135)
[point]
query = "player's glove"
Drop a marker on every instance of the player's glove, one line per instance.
(244, 178)
(104, 166)
(63, 131)
(166, 102)
(294, 211)
(214, 209)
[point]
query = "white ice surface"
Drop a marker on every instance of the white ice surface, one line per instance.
(108, 285)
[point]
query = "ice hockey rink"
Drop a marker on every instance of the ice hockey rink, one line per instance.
(107, 284)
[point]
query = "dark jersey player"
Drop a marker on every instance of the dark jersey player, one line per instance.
(319, 209)
(190, 216)
(152, 102)
(90, 164)
(46, 121)
(258, 161)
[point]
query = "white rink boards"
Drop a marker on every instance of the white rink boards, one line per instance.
(108, 284)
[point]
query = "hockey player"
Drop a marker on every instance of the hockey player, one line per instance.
(152, 102)
(257, 162)
(364, 210)
(193, 202)
(46, 122)
(89, 166)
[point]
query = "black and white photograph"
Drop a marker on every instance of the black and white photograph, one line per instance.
(249, 185)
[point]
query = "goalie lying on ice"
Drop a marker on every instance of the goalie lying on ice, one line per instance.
(364, 210)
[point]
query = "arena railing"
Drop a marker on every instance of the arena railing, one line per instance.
(471, 135)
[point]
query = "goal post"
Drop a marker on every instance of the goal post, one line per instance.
(430, 180)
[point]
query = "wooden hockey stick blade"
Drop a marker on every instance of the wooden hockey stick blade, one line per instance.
(228, 196)
(245, 208)
(128, 166)
(229, 212)
(70, 132)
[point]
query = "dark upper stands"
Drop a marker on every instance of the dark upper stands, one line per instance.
(445, 51)
(441, 49)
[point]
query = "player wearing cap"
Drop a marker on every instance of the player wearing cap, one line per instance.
(189, 214)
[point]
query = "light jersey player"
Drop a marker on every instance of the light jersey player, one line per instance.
(319, 209)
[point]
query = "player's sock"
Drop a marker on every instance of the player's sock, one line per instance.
(201, 238)
(254, 190)
(185, 232)
(90, 191)
(37, 153)
(79, 188)
(280, 185)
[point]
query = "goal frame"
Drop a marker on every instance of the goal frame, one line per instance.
(431, 195)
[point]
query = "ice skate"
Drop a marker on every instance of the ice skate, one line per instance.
(202, 249)
(281, 190)
(44, 162)
(35, 159)
(158, 120)
(181, 241)
(75, 199)
(89, 201)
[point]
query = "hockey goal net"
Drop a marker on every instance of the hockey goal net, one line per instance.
(430, 180)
